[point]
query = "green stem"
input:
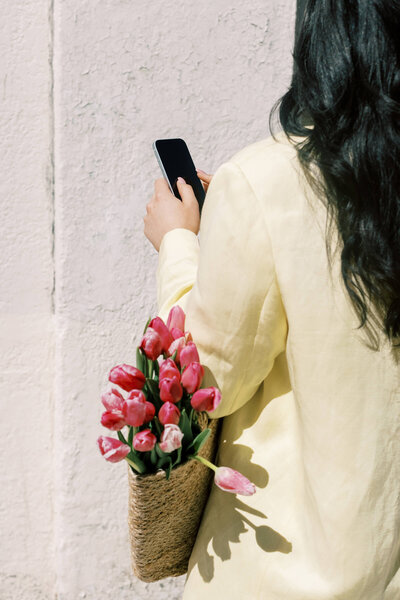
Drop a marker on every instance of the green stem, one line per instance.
(132, 432)
(150, 368)
(204, 461)
(122, 437)
(158, 425)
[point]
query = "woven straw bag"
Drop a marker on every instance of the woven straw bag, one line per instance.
(164, 516)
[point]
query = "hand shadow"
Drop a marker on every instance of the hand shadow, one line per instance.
(229, 507)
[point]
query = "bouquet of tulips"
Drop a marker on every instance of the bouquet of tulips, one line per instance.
(161, 408)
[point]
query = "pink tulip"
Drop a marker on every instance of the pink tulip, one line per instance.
(134, 408)
(113, 450)
(113, 419)
(169, 413)
(176, 333)
(206, 399)
(127, 377)
(189, 354)
(151, 343)
(112, 400)
(144, 440)
(150, 411)
(171, 438)
(192, 377)
(166, 338)
(170, 389)
(188, 337)
(168, 368)
(230, 480)
(177, 344)
(176, 318)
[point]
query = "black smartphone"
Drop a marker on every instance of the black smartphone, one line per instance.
(175, 161)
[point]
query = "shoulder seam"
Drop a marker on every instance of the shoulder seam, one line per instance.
(261, 211)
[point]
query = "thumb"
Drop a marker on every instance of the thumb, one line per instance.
(186, 191)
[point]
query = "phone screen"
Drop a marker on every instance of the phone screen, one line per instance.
(175, 161)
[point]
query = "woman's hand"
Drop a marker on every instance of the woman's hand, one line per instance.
(165, 211)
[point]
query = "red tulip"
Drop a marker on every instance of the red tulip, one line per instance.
(170, 389)
(113, 419)
(113, 450)
(177, 344)
(144, 440)
(151, 344)
(127, 377)
(169, 413)
(150, 411)
(206, 399)
(230, 480)
(171, 438)
(166, 338)
(112, 400)
(189, 354)
(134, 409)
(192, 377)
(176, 318)
(168, 368)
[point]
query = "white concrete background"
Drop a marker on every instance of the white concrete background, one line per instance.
(86, 87)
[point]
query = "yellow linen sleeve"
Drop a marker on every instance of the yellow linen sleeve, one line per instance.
(226, 284)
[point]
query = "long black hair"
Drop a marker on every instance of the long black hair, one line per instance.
(346, 86)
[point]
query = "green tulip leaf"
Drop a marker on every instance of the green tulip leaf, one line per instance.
(184, 425)
(140, 359)
(135, 462)
(160, 452)
(153, 456)
(178, 457)
(153, 387)
(149, 367)
(156, 369)
(130, 436)
(199, 440)
(162, 461)
(147, 324)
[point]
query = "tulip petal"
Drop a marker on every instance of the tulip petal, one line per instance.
(127, 377)
(230, 480)
(112, 450)
(176, 318)
(112, 399)
(158, 325)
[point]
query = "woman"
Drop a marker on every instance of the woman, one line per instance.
(293, 299)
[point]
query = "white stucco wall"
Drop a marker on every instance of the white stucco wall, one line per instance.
(26, 314)
(125, 73)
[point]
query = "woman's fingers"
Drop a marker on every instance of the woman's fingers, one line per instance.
(205, 178)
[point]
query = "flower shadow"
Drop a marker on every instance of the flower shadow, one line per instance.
(229, 517)
(232, 523)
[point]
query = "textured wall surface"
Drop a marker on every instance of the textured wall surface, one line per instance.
(87, 87)
(26, 315)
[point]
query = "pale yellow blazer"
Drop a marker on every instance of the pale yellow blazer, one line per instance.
(311, 414)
